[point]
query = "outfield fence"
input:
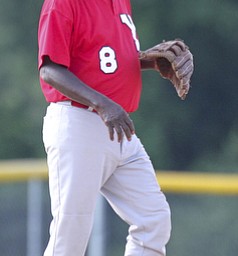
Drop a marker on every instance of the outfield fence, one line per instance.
(170, 181)
(34, 174)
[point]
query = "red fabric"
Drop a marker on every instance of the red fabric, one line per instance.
(73, 33)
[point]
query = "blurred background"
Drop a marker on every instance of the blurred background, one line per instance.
(199, 134)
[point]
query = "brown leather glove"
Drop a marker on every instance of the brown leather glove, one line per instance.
(174, 61)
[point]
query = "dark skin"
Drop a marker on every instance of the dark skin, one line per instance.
(113, 115)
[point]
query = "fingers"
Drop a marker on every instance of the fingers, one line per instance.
(116, 119)
(111, 131)
(176, 44)
(183, 68)
(181, 45)
(123, 126)
(183, 91)
(174, 61)
(176, 50)
(129, 128)
(182, 83)
(167, 49)
(185, 71)
(182, 59)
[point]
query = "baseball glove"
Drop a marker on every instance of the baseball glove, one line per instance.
(174, 61)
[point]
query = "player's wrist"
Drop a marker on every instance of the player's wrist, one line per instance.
(103, 104)
(147, 64)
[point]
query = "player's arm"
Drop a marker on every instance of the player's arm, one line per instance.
(113, 115)
(174, 61)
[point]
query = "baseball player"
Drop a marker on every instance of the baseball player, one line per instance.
(90, 73)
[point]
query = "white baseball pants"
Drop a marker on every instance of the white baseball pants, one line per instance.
(83, 162)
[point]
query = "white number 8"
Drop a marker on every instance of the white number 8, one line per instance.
(108, 63)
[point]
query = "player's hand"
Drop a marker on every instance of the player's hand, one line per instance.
(174, 61)
(117, 120)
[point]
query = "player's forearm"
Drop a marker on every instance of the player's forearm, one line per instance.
(113, 115)
(68, 84)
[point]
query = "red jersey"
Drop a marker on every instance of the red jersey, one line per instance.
(96, 40)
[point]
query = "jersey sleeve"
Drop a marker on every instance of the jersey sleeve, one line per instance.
(54, 36)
